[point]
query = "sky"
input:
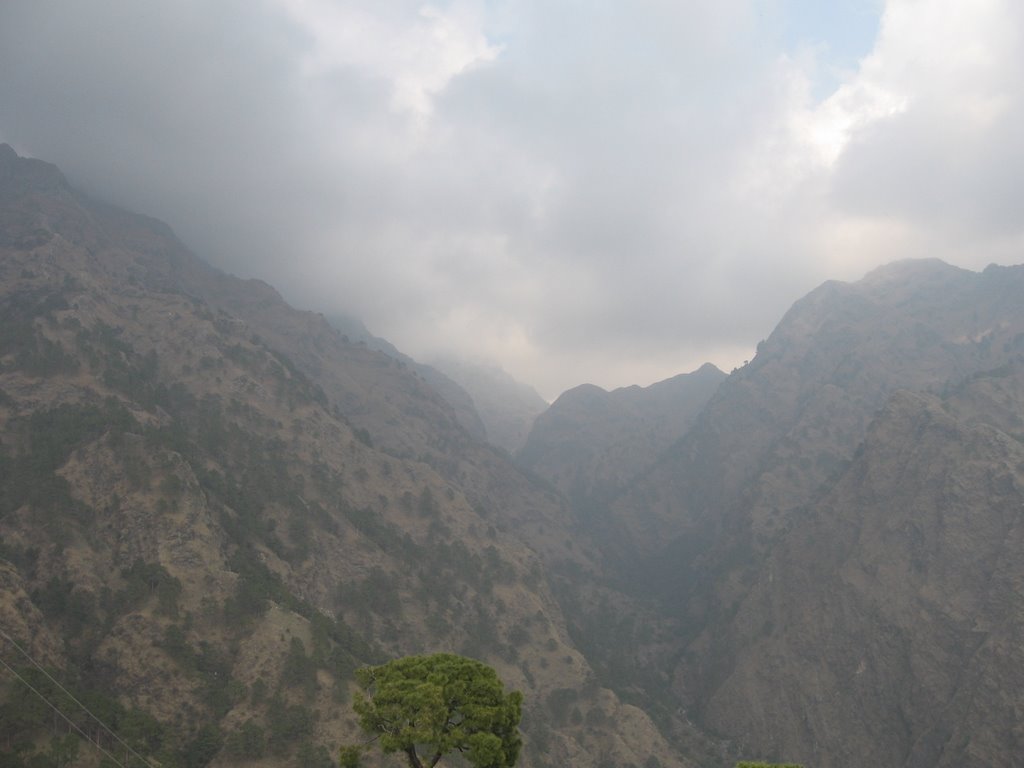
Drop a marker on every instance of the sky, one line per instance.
(601, 192)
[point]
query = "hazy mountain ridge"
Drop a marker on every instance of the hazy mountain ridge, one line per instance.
(815, 383)
(745, 496)
(457, 397)
(591, 443)
(507, 407)
(832, 545)
(214, 507)
(488, 402)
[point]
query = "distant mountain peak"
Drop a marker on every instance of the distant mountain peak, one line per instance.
(909, 269)
(23, 174)
(507, 406)
(591, 442)
(708, 368)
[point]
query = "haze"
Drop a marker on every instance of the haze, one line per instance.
(602, 192)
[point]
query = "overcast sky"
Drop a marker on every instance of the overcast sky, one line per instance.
(611, 192)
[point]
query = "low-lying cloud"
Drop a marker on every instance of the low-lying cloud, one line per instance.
(613, 193)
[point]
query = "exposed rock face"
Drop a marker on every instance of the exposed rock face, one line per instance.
(888, 618)
(213, 507)
(835, 569)
(783, 425)
(591, 443)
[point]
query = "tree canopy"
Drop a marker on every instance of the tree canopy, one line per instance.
(430, 706)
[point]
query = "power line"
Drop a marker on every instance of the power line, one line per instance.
(56, 709)
(67, 693)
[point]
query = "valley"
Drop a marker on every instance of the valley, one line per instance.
(215, 507)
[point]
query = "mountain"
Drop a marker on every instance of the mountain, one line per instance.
(507, 407)
(892, 610)
(591, 443)
(457, 397)
(489, 403)
(213, 507)
(792, 418)
(832, 539)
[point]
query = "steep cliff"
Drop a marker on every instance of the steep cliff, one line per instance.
(884, 624)
(786, 423)
(840, 524)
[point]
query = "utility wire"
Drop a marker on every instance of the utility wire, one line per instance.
(67, 693)
(56, 709)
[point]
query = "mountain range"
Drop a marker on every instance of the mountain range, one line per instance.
(215, 506)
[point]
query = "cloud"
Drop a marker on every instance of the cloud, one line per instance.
(609, 192)
(416, 49)
(949, 157)
(931, 155)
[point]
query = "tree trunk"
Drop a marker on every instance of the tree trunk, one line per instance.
(414, 759)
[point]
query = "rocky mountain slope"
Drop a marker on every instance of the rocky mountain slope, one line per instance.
(213, 508)
(591, 443)
(457, 397)
(827, 558)
(488, 402)
(827, 537)
(892, 610)
(787, 422)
